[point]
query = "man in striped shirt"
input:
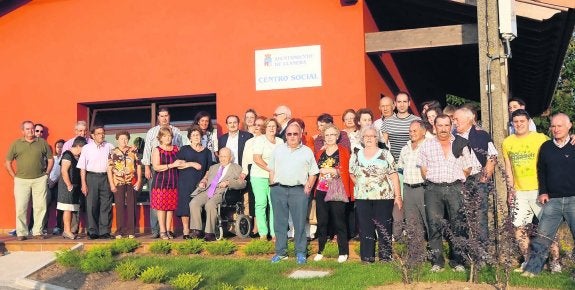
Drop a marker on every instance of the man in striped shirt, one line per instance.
(395, 129)
(395, 133)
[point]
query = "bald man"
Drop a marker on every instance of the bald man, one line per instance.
(555, 168)
(386, 107)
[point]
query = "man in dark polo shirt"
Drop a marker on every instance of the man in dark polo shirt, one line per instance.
(93, 163)
(30, 178)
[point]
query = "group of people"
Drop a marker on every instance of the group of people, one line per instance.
(377, 179)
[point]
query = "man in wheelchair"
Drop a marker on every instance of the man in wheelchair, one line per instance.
(209, 193)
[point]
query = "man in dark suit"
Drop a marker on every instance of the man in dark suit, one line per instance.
(210, 192)
(282, 114)
(235, 139)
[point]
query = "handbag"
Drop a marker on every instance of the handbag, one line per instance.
(336, 190)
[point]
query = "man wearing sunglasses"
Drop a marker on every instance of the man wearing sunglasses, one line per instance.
(293, 171)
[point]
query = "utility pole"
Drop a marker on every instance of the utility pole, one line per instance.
(494, 92)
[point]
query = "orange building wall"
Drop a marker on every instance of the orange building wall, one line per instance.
(56, 54)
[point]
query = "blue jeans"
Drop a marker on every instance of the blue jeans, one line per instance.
(286, 201)
(437, 200)
(552, 214)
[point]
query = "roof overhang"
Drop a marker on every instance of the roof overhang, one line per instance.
(449, 63)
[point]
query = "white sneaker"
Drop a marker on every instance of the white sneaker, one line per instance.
(555, 266)
(342, 258)
(521, 268)
(318, 257)
(459, 268)
(436, 269)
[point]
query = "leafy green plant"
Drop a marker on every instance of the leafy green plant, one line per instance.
(121, 246)
(259, 247)
(251, 287)
(187, 281)
(220, 248)
(97, 259)
(160, 247)
(154, 274)
(331, 250)
(192, 246)
(69, 258)
(128, 270)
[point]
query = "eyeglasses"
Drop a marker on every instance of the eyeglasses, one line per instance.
(292, 134)
(39, 131)
(278, 114)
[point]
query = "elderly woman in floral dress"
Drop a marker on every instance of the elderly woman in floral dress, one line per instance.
(372, 169)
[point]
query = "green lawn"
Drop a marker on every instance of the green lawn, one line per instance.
(350, 275)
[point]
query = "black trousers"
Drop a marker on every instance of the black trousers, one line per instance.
(375, 215)
(98, 204)
(331, 213)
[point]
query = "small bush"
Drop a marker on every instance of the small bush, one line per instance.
(251, 287)
(192, 246)
(187, 281)
(160, 247)
(259, 247)
(97, 259)
(154, 274)
(69, 258)
(128, 270)
(122, 246)
(220, 248)
(291, 249)
(331, 250)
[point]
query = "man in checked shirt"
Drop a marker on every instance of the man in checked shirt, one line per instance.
(445, 168)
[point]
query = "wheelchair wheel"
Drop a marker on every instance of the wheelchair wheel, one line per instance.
(219, 233)
(243, 226)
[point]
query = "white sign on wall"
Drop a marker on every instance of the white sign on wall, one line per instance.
(286, 68)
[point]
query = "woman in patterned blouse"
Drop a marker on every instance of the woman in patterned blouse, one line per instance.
(376, 191)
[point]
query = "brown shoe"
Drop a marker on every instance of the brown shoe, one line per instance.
(39, 237)
(22, 238)
(195, 234)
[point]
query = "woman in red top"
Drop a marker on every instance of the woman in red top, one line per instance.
(333, 162)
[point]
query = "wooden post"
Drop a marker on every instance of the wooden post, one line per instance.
(493, 74)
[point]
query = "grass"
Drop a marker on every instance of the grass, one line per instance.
(218, 271)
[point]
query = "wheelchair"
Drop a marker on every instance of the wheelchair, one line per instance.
(231, 217)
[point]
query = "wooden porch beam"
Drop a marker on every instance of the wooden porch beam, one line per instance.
(420, 38)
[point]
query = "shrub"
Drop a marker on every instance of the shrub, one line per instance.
(291, 249)
(121, 246)
(154, 274)
(259, 247)
(187, 281)
(192, 246)
(97, 259)
(251, 287)
(68, 258)
(331, 250)
(223, 247)
(160, 247)
(128, 270)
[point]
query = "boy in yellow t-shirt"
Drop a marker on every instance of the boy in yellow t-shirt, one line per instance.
(520, 151)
